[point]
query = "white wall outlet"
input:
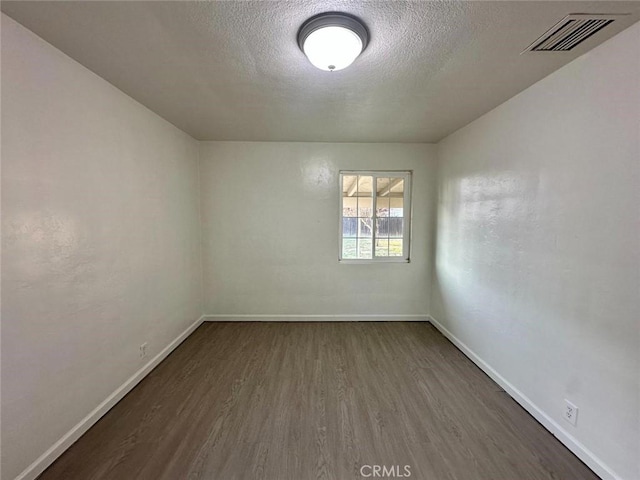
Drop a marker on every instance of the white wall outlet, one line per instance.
(143, 350)
(570, 412)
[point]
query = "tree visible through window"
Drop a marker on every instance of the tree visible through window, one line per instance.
(375, 219)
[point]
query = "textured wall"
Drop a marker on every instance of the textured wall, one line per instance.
(100, 247)
(270, 230)
(538, 258)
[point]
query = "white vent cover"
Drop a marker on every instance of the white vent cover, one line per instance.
(571, 31)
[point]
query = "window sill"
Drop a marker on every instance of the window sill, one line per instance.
(377, 260)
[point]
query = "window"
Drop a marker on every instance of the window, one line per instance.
(375, 210)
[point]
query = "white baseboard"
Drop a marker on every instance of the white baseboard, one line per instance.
(316, 318)
(58, 448)
(582, 452)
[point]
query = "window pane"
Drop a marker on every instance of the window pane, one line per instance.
(382, 227)
(365, 186)
(349, 248)
(397, 186)
(349, 227)
(382, 206)
(365, 226)
(395, 227)
(365, 206)
(395, 247)
(349, 185)
(364, 248)
(381, 184)
(349, 206)
(397, 204)
(382, 248)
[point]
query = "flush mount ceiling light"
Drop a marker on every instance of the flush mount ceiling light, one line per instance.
(332, 41)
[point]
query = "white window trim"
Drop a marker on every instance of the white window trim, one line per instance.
(406, 229)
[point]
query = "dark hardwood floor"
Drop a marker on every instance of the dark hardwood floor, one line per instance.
(301, 401)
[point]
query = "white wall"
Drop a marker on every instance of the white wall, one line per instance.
(100, 247)
(270, 230)
(537, 264)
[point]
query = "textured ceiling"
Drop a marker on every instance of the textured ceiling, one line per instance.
(233, 71)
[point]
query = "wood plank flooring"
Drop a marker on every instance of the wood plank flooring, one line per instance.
(302, 401)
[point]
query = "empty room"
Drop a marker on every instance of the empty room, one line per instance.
(337, 240)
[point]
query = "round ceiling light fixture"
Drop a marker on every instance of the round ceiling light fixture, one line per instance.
(332, 41)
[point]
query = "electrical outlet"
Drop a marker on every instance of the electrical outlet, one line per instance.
(143, 350)
(570, 412)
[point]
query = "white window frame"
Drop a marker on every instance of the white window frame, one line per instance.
(407, 211)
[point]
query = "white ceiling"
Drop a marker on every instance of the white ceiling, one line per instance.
(233, 70)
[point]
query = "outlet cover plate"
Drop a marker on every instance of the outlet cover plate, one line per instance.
(570, 413)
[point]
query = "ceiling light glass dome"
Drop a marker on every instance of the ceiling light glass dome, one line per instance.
(332, 41)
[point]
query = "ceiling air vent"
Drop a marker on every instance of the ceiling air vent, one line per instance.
(571, 31)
